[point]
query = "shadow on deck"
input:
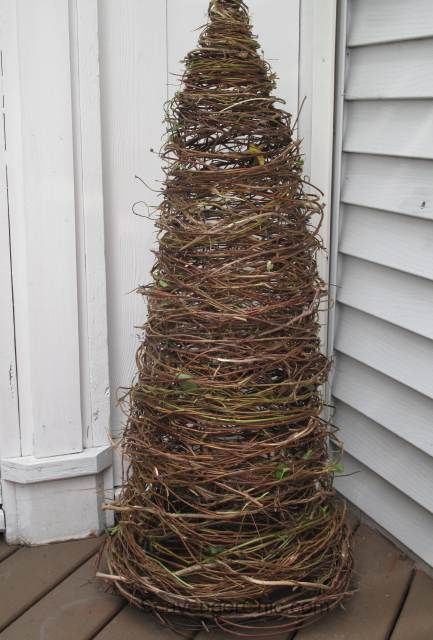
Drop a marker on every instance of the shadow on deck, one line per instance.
(50, 593)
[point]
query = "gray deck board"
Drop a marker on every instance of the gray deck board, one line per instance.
(30, 572)
(51, 593)
(416, 617)
(76, 609)
(6, 550)
(382, 577)
(221, 635)
(133, 624)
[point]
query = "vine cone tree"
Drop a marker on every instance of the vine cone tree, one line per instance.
(229, 513)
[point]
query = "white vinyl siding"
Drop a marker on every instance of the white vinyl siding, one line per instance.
(374, 22)
(382, 262)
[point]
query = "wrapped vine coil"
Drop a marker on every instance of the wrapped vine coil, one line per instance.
(229, 513)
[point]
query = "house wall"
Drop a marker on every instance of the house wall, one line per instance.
(382, 250)
(83, 87)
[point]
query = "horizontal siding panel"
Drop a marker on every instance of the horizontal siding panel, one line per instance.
(399, 185)
(396, 241)
(382, 382)
(387, 455)
(389, 20)
(390, 127)
(398, 70)
(402, 517)
(393, 351)
(403, 411)
(391, 295)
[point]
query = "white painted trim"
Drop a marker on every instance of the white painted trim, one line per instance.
(316, 122)
(322, 116)
(118, 493)
(78, 67)
(9, 410)
(63, 509)
(11, 440)
(86, 117)
(340, 73)
(55, 490)
(57, 498)
(29, 469)
(49, 221)
(318, 23)
(2, 520)
(107, 496)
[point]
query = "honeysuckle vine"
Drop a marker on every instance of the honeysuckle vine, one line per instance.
(229, 513)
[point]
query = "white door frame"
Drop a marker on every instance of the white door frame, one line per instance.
(56, 461)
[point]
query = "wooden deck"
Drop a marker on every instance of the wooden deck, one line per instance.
(49, 593)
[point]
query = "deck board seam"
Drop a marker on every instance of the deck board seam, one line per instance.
(402, 603)
(12, 553)
(107, 622)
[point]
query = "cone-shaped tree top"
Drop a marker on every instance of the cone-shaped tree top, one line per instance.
(229, 512)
